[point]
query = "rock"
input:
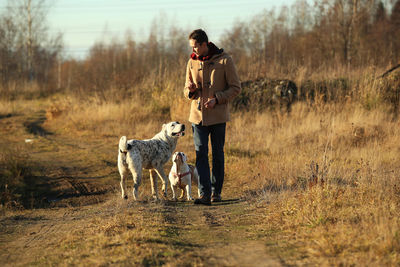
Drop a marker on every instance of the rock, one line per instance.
(265, 93)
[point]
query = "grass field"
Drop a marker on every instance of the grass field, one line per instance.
(316, 186)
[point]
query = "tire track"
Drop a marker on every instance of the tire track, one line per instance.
(214, 236)
(211, 219)
(43, 234)
(50, 228)
(34, 124)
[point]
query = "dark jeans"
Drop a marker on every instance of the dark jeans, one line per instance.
(200, 136)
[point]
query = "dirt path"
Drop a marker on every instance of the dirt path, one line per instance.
(80, 219)
(65, 170)
(220, 235)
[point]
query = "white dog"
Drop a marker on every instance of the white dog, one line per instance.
(152, 154)
(182, 175)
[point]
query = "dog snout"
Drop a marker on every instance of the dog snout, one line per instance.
(183, 127)
(178, 157)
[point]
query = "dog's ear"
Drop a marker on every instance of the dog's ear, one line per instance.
(184, 157)
(165, 129)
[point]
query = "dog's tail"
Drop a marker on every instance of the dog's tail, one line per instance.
(123, 148)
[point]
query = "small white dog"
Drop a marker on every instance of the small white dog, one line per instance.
(182, 175)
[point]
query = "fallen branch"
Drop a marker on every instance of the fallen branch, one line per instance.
(389, 71)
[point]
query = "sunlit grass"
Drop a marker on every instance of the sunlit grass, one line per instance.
(345, 211)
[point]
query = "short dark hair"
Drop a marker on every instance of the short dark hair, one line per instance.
(199, 35)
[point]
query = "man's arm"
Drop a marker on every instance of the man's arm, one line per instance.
(232, 79)
(190, 90)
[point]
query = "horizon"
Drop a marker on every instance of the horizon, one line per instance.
(85, 23)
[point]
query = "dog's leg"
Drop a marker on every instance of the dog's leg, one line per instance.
(135, 166)
(195, 179)
(173, 192)
(123, 171)
(153, 181)
(123, 186)
(163, 177)
(188, 191)
(182, 193)
(137, 179)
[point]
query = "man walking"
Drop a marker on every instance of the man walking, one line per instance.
(211, 82)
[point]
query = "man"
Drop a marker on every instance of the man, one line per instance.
(211, 82)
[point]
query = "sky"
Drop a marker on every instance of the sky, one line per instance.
(85, 22)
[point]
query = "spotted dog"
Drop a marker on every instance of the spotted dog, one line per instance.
(152, 154)
(182, 175)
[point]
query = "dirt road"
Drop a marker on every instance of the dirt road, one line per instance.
(165, 233)
(74, 215)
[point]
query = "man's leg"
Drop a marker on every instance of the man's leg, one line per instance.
(200, 137)
(218, 169)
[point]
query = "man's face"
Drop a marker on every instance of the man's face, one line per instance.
(198, 49)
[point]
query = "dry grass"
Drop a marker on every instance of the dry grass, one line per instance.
(343, 212)
(123, 239)
(9, 107)
(351, 218)
(88, 116)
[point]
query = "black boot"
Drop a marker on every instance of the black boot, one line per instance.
(203, 201)
(216, 198)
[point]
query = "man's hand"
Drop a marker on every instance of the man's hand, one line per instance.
(191, 86)
(211, 102)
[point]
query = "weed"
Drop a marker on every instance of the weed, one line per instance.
(15, 169)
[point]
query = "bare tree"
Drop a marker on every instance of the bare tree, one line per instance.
(8, 59)
(29, 17)
(395, 32)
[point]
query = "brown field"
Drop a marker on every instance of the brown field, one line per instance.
(316, 186)
(312, 184)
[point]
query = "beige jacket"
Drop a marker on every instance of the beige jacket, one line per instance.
(217, 77)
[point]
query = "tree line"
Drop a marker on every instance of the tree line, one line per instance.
(324, 35)
(329, 34)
